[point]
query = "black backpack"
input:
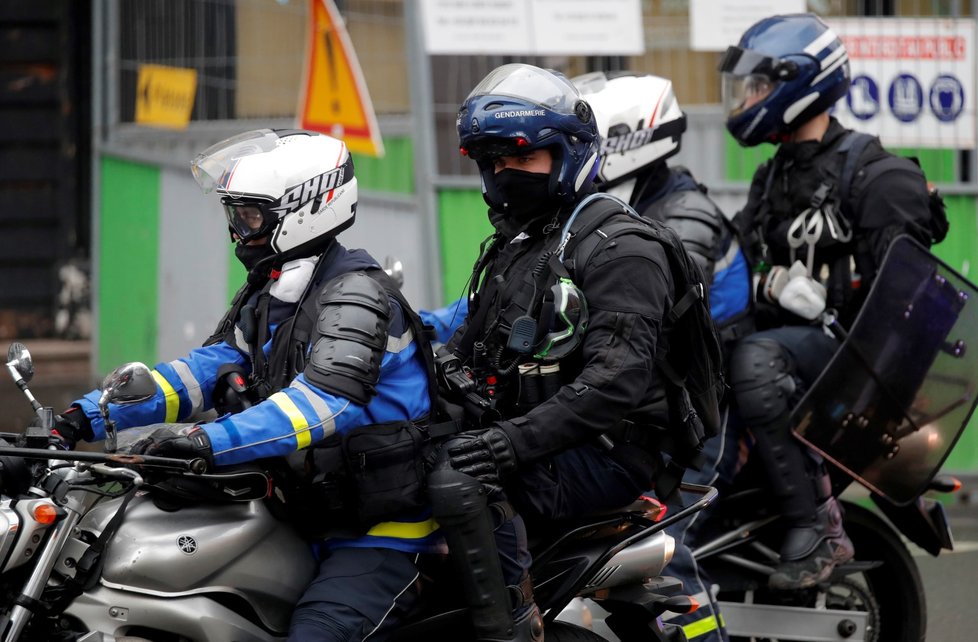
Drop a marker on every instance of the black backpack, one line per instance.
(693, 367)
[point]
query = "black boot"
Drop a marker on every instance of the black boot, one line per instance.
(810, 552)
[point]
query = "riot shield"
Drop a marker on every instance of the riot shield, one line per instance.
(897, 394)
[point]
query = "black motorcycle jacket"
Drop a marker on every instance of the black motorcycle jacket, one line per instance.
(609, 377)
(879, 207)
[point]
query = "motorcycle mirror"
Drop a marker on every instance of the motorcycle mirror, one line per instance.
(395, 270)
(20, 362)
(129, 383)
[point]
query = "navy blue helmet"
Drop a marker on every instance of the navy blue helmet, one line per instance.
(784, 71)
(518, 108)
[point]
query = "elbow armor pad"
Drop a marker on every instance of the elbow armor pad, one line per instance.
(697, 221)
(351, 337)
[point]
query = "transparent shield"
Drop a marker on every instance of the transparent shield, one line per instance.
(893, 401)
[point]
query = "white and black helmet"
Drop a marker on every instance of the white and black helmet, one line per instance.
(295, 187)
(640, 123)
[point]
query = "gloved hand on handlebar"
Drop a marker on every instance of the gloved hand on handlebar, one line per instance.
(70, 427)
(488, 455)
(180, 441)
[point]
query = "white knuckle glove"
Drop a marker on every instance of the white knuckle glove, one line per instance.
(803, 296)
(774, 283)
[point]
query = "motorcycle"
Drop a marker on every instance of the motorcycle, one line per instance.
(99, 547)
(885, 413)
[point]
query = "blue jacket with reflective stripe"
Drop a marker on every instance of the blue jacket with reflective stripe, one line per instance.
(298, 415)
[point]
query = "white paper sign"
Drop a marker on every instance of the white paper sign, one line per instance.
(533, 27)
(715, 25)
(913, 80)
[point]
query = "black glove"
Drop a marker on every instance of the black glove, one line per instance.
(70, 427)
(488, 456)
(179, 441)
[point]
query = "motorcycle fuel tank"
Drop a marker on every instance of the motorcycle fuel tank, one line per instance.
(232, 548)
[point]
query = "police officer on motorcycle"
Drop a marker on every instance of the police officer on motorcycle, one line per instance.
(632, 166)
(318, 345)
(552, 364)
(817, 242)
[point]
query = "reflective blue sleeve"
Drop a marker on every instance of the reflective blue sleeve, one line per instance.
(184, 388)
(303, 414)
(446, 320)
(293, 418)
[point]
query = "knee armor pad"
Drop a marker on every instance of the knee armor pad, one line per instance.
(761, 374)
(350, 339)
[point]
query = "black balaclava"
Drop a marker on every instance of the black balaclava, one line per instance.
(527, 199)
(251, 255)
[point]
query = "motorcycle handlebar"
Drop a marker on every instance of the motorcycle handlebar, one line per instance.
(197, 466)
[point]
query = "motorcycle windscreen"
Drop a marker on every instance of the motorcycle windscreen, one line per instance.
(897, 394)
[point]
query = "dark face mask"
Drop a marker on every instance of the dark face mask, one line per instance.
(250, 255)
(527, 195)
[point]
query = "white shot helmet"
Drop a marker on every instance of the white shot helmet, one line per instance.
(293, 186)
(640, 123)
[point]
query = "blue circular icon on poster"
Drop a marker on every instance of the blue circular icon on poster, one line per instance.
(946, 98)
(906, 98)
(863, 97)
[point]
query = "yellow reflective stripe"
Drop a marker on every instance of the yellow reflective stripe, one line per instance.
(701, 627)
(303, 437)
(170, 396)
(404, 530)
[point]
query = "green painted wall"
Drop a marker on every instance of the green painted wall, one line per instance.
(128, 263)
(462, 226)
(392, 173)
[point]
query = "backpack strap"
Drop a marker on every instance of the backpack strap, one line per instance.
(852, 147)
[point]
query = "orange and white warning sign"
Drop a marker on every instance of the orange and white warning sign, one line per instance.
(334, 98)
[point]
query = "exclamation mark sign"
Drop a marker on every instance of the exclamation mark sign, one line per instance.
(333, 77)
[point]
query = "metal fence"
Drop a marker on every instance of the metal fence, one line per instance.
(249, 57)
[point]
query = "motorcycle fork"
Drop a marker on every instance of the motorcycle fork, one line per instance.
(27, 603)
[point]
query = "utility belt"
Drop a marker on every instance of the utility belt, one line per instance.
(472, 397)
(655, 440)
(368, 475)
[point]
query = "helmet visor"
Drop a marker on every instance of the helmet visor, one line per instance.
(213, 167)
(740, 93)
(743, 62)
(529, 83)
(248, 220)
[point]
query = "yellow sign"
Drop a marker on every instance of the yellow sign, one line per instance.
(334, 97)
(165, 96)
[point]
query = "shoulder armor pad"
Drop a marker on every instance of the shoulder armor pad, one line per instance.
(698, 222)
(351, 337)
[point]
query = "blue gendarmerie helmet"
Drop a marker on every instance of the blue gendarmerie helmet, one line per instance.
(793, 66)
(519, 108)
